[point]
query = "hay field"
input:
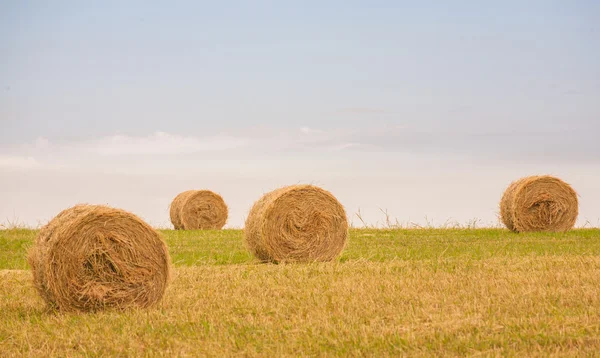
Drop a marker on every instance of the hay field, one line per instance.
(418, 292)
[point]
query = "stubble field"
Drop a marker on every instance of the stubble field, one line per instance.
(392, 292)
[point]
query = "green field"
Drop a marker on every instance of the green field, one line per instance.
(392, 292)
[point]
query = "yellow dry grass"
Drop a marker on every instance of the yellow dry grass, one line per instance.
(525, 305)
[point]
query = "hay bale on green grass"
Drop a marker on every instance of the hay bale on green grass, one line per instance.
(198, 209)
(539, 203)
(298, 223)
(92, 257)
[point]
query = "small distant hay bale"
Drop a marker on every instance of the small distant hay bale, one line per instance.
(298, 223)
(539, 203)
(93, 257)
(198, 210)
(175, 209)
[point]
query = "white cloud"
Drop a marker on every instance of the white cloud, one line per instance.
(363, 110)
(307, 130)
(17, 162)
(162, 143)
(345, 146)
(122, 153)
(41, 142)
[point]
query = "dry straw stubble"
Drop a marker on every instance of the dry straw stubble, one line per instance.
(92, 257)
(539, 203)
(198, 209)
(298, 223)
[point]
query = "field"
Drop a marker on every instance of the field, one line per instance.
(393, 292)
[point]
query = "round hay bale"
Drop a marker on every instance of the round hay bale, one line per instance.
(175, 209)
(298, 223)
(539, 203)
(506, 205)
(198, 209)
(92, 257)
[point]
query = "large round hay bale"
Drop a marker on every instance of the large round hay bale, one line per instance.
(91, 257)
(198, 210)
(298, 223)
(539, 203)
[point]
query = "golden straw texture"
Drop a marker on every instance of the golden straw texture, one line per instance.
(91, 257)
(539, 203)
(198, 209)
(175, 210)
(299, 223)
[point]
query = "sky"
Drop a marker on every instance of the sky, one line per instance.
(422, 110)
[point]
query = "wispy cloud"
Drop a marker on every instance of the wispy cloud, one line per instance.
(161, 143)
(460, 109)
(362, 110)
(41, 143)
(307, 130)
(344, 146)
(572, 92)
(17, 162)
(120, 153)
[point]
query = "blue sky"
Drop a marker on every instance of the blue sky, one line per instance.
(296, 91)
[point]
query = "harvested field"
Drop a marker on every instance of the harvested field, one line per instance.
(432, 292)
